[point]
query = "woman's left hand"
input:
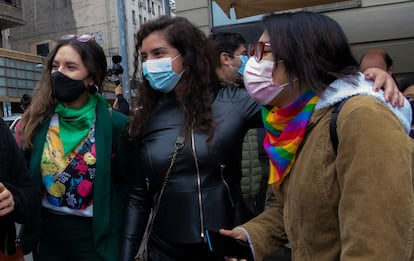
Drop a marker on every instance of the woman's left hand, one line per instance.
(237, 234)
(6, 200)
(382, 80)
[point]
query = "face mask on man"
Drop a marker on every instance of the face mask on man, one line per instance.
(243, 59)
(258, 80)
(66, 89)
(160, 74)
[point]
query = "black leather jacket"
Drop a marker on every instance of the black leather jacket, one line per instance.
(194, 200)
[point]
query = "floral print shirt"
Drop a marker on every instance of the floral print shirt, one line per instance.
(68, 179)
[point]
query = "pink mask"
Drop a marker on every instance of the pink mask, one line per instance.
(258, 80)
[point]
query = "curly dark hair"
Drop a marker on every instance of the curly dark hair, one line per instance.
(199, 64)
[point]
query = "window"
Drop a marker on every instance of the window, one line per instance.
(42, 49)
(134, 18)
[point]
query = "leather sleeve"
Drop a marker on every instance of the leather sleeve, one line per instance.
(135, 221)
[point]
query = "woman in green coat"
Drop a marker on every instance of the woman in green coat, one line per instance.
(73, 140)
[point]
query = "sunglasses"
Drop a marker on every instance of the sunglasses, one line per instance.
(257, 50)
(84, 38)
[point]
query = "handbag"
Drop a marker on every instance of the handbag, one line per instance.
(17, 256)
(142, 253)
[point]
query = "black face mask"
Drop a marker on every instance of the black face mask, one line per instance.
(65, 89)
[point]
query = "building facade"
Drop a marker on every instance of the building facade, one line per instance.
(112, 22)
(384, 24)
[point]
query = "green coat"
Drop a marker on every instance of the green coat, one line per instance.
(110, 189)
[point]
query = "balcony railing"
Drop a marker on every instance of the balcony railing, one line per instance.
(11, 14)
(15, 3)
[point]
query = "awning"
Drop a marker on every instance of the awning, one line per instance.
(245, 8)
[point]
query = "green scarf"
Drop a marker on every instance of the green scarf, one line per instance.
(75, 123)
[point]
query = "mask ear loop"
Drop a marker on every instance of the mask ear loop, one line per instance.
(93, 89)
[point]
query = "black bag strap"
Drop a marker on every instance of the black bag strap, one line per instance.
(332, 124)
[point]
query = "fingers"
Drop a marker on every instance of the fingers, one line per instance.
(6, 202)
(382, 80)
(236, 233)
(118, 89)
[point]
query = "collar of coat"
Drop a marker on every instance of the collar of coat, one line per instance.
(357, 85)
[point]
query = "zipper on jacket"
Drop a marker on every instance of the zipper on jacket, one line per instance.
(250, 174)
(222, 167)
(147, 183)
(200, 202)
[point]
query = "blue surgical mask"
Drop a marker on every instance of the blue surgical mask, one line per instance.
(243, 59)
(160, 74)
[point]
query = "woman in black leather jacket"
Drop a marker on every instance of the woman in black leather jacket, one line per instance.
(203, 190)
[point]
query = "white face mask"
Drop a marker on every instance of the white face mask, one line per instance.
(258, 80)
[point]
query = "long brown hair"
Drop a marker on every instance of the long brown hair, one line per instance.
(198, 62)
(43, 102)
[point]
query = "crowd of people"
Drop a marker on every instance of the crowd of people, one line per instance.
(94, 181)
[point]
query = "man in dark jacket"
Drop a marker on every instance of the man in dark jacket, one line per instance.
(19, 198)
(232, 54)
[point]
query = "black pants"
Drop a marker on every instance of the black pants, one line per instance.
(66, 238)
(160, 250)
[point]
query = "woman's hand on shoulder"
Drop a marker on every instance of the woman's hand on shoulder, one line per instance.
(382, 80)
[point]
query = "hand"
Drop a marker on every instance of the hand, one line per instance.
(118, 89)
(237, 234)
(382, 80)
(6, 200)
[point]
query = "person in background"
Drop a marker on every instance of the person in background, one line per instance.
(19, 197)
(406, 86)
(329, 204)
(377, 58)
(120, 104)
(72, 139)
(232, 54)
(182, 137)
(24, 104)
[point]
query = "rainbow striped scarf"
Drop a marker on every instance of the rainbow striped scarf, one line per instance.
(285, 129)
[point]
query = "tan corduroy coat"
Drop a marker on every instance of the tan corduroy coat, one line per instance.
(358, 205)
